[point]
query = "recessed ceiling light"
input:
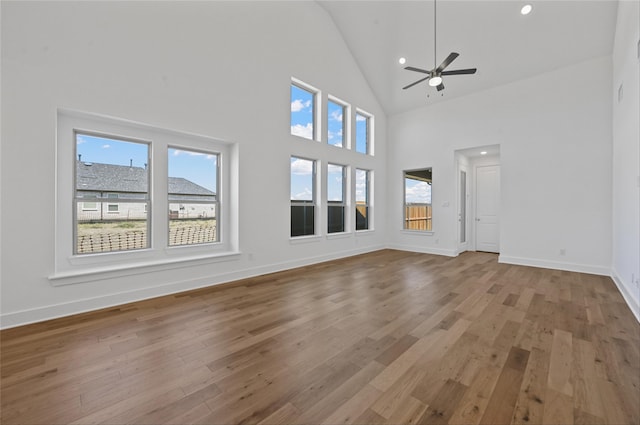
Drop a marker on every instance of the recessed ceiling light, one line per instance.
(402, 61)
(483, 153)
(526, 9)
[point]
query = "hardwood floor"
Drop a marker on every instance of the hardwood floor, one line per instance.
(386, 337)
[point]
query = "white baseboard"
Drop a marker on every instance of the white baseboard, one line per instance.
(632, 301)
(556, 265)
(424, 250)
(25, 317)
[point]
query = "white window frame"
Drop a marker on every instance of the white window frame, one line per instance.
(346, 122)
(405, 174)
(344, 204)
(71, 268)
(317, 109)
(314, 198)
(368, 203)
(369, 133)
(216, 203)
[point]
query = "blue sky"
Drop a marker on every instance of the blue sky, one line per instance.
(417, 191)
(301, 112)
(361, 133)
(200, 168)
(301, 179)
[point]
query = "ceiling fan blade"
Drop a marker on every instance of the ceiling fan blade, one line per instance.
(459, 71)
(452, 56)
(413, 84)
(440, 87)
(411, 68)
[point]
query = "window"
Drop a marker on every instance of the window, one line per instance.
(132, 196)
(303, 111)
(363, 133)
(335, 198)
(105, 164)
(112, 208)
(363, 212)
(336, 115)
(192, 189)
(303, 197)
(417, 199)
(89, 206)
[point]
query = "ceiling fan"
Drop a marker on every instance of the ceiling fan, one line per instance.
(435, 75)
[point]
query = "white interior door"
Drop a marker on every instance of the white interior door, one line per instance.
(488, 208)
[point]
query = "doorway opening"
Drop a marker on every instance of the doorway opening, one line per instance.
(478, 199)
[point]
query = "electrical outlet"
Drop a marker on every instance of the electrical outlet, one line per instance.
(563, 251)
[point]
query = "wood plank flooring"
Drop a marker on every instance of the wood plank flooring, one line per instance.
(387, 337)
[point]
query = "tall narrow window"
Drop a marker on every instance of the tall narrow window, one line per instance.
(417, 199)
(363, 133)
(192, 194)
(335, 198)
(362, 199)
(303, 196)
(335, 123)
(109, 169)
(303, 103)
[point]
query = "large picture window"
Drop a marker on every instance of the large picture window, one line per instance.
(303, 196)
(130, 195)
(111, 194)
(192, 189)
(417, 199)
(363, 207)
(335, 198)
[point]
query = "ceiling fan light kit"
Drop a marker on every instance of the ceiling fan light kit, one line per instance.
(434, 76)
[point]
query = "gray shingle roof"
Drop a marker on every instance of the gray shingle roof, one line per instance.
(97, 177)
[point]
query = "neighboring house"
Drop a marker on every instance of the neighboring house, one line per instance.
(112, 183)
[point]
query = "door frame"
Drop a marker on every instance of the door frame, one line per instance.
(481, 163)
(463, 166)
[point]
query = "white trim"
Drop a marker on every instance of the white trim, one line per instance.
(416, 232)
(54, 311)
(556, 265)
(123, 269)
(424, 250)
(634, 304)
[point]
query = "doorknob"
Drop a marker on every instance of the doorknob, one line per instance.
(477, 219)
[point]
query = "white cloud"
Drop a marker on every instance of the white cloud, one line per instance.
(420, 193)
(336, 115)
(302, 167)
(298, 105)
(360, 117)
(106, 146)
(178, 152)
(305, 131)
(305, 195)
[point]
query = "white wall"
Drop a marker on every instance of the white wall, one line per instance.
(554, 133)
(626, 154)
(220, 69)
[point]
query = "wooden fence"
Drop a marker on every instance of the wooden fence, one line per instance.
(417, 217)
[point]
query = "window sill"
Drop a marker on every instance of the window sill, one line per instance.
(304, 239)
(418, 232)
(340, 235)
(120, 270)
(366, 232)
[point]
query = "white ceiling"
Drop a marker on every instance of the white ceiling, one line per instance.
(491, 36)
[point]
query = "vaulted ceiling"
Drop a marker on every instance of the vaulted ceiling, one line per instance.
(492, 36)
